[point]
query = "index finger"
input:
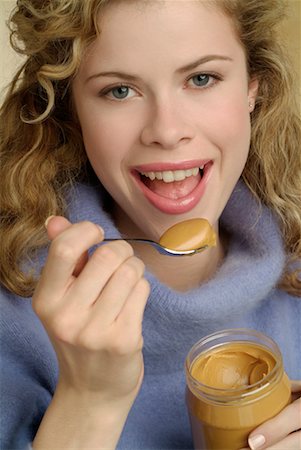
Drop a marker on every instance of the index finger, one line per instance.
(64, 252)
(276, 429)
(55, 225)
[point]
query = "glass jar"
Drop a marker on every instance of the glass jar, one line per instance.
(235, 382)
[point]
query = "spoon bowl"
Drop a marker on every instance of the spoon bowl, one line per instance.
(184, 238)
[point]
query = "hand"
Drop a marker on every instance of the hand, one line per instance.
(92, 309)
(282, 432)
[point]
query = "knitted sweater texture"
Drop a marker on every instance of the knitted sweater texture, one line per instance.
(243, 293)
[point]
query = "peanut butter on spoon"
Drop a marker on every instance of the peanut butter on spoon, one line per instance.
(184, 238)
(189, 235)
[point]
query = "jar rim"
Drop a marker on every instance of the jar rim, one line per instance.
(243, 391)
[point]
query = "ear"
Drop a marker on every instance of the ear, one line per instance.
(252, 92)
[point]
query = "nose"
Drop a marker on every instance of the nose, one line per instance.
(167, 126)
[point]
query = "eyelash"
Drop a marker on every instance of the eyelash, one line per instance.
(106, 91)
(216, 78)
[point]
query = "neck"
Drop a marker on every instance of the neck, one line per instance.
(180, 273)
(184, 272)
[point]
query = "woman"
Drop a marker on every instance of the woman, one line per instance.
(181, 110)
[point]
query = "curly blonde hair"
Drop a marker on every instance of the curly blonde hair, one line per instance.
(42, 152)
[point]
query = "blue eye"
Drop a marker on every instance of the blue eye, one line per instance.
(201, 79)
(120, 92)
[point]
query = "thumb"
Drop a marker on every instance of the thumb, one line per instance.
(55, 225)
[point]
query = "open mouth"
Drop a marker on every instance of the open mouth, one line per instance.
(175, 190)
(173, 184)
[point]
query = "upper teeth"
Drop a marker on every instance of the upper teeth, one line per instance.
(168, 176)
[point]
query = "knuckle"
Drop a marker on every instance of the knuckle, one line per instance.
(123, 345)
(140, 265)
(140, 343)
(132, 269)
(123, 248)
(57, 326)
(120, 348)
(127, 248)
(106, 254)
(62, 327)
(112, 254)
(90, 227)
(129, 272)
(63, 251)
(91, 338)
(85, 341)
(135, 343)
(116, 349)
(144, 287)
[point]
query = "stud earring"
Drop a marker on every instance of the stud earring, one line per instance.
(250, 105)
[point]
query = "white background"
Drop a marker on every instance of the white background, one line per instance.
(9, 60)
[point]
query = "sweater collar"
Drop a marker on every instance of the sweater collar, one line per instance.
(250, 271)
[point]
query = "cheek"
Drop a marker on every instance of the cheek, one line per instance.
(107, 136)
(106, 144)
(232, 122)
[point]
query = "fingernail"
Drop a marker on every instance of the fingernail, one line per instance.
(47, 220)
(256, 441)
(101, 229)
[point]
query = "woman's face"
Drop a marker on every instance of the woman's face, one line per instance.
(163, 97)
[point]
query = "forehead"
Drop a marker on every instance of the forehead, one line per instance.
(183, 15)
(172, 28)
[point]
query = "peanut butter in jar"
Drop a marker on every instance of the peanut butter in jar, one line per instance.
(235, 382)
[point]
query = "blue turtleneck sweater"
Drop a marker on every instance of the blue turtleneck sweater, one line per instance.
(243, 293)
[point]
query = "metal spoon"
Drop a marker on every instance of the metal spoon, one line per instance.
(160, 248)
(184, 238)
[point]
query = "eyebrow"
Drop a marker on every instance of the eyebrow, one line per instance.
(183, 69)
(203, 60)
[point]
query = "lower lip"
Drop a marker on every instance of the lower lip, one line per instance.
(176, 206)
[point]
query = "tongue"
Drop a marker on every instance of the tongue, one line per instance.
(174, 190)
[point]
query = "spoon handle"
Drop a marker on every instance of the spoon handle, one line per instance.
(160, 248)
